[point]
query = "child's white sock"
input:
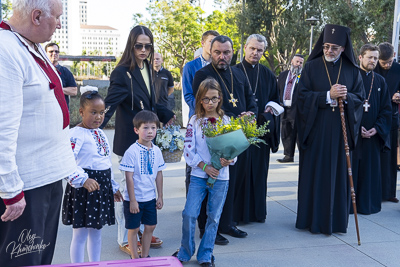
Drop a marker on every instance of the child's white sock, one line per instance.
(94, 244)
(77, 249)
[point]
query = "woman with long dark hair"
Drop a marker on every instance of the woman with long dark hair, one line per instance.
(131, 91)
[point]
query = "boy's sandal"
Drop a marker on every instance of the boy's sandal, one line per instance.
(155, 241)
(127, 250)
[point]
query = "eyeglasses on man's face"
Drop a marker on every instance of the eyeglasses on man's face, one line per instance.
(53, 51)
(147, 47)
(206, 100)
(334, 48)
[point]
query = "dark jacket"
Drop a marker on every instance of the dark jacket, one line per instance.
(128, 96)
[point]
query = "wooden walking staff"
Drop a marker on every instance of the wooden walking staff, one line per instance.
(347, 150)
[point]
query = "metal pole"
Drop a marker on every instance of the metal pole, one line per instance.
(1, 11)
(242, 37)
(395, 36)
(311, 37)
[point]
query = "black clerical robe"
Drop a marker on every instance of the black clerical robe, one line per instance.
(366, 160)
(323, 189)
(245, 102)
(241, 89)
(389, 157)
(251, 184)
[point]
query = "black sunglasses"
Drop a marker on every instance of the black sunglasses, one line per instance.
(146, 46)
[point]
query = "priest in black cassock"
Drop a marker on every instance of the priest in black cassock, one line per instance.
(251, 183)
(375, 128)
(237, 100)
(390, 70)
(331, 72)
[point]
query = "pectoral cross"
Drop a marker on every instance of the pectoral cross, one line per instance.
(366, 106)
(233, 101)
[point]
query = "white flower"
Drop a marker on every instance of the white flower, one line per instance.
(180, 143)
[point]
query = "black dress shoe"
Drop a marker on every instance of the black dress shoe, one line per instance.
(207, 264)
(220, 240)
(286, 159)
(176, 255)
(394, 199)
(201, 233)
(235, 232)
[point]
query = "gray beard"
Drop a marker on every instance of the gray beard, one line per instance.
(332, 60)
(295, 70)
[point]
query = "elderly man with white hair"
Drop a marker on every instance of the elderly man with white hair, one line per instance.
(251, 184)
(35, 150)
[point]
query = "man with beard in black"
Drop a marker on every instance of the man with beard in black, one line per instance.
(287, 83)
(375, 128)
(237, 100)
(250, 203)
(390, 70)
(330, 73)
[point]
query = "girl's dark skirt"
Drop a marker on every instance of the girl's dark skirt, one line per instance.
(91, 210)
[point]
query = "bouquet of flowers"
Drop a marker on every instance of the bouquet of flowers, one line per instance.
(170, 139)
(230, 140)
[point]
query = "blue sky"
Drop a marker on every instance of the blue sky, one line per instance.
(118, 13)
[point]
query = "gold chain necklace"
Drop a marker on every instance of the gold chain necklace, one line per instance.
(233, 101)
(329, 77)
(258, 72)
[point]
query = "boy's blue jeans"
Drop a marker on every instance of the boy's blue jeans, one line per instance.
(216, 199)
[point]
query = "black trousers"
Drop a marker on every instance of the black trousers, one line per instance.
(31, 239)
(202, 219)
(288, 132)
(226, 221)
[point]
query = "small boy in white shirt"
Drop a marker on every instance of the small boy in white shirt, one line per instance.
(143, 164)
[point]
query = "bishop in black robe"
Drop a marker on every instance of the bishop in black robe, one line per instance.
(323, 188)
(366, 160)
(251, 183)
(245, 102)
(389, 157)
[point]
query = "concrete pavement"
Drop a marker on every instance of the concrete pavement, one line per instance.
(273, 243)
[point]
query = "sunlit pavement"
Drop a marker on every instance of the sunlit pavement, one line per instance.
(273, 243)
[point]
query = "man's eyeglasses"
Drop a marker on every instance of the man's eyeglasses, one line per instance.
(334, 48)
(53, 51)
(146, 46)
(206, 100)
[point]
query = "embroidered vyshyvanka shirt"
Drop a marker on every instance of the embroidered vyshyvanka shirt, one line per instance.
(92, 151)
(145, 164)
(196, 150)
(35, 149)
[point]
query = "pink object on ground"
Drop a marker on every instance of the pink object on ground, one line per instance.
(147, 262)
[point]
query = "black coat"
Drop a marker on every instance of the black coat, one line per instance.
(392, 78)
(128, 96)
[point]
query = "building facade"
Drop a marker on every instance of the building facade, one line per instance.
(76, 36)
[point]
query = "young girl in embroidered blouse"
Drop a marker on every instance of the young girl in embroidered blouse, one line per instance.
(87, 209)
(197, 156)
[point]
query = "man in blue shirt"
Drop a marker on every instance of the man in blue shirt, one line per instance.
(192, 66)
(68, 81)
